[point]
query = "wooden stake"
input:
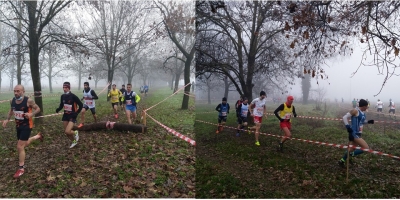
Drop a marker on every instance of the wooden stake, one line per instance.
(347, 164)
(144, 117)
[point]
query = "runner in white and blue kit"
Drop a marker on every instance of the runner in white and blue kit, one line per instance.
(223, 111)
(355, 129)
(131, 99)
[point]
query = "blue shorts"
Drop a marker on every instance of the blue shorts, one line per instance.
(130, 108)
(354, 135)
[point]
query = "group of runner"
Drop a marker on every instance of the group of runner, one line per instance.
(24, 108)
(379, 106)
(284, 113)
(257, 110)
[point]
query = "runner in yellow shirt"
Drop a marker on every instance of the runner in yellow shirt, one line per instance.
(115, 94)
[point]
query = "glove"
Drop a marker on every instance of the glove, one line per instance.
(371, 121)
(58, 110)
(295, 115)
(349, 129)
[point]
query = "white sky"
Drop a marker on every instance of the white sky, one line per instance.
(364, 84)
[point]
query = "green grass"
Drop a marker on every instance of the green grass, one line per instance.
(107, 163)
(233, 167)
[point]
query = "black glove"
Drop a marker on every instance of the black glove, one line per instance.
(349, 129)
(295, 115)
(371, 121)
(58, 110)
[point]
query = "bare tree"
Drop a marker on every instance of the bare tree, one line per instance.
(179, 20)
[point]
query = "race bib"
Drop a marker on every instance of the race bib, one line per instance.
(244, 113)
(68, 107)
(19, 115)
(223, 113)
(287, 116)
(89, 102)
(128, 102)
(361, 128)
(260, 111)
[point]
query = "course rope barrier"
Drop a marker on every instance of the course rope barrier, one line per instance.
(317, 142)
(176, 133)
(318, 118)
(166, 98)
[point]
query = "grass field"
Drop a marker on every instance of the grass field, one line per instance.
(234, 167)
(104, 164)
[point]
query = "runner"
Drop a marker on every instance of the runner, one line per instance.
(223, 110)
(131, 99)
(379, 105)
(392, 108)
(89, 96)
(242, 110)
(121, 102)
(146, 89)
(286, 111)
(354, 102)
(21, 108)
(69, 102)
(237, 104)
(355, 129)
(257, 113)
(114, 94)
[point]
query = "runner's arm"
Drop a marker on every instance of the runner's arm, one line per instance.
(294, 112)
(94, 95)
(137, 98)
(76, 99)
(218, 107)
(346, 118)
(280, 108)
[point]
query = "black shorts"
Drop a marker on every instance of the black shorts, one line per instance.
(242, 120)
(222, 118)
(69, 117)
(93, 110)
(354, 135)
(23, 133)
(114, 104)
(121, 102)
(379, 110)
(392, 110)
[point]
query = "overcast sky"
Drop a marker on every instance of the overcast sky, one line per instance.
(364, 84)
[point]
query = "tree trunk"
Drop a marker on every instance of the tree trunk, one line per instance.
(208, 94)
(34, 56)
(226, 82)
(172, 82)
(19, 44)
(306, 86)
(50, 71)
(177, 75)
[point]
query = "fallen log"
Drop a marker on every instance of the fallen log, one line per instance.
(135, 128)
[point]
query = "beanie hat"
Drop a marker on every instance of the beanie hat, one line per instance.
(224, 99)
(67, 84)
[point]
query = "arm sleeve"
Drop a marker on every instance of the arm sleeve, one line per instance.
(281, 107)
(137, 98)
(217, 108)
(79, 104)
(94, 95)
(61, 103)
(346, 117)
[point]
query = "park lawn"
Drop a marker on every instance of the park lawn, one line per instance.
(104, 164)
(234, 167)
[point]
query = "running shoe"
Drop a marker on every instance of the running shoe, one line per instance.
(116, 116)
(342, 163)
(237, 134)
(258, 143)
(217, 131)
(249, 130)
(76, 135)
(280, 147)
(74, 143)
(19, 173)
(80, 125)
